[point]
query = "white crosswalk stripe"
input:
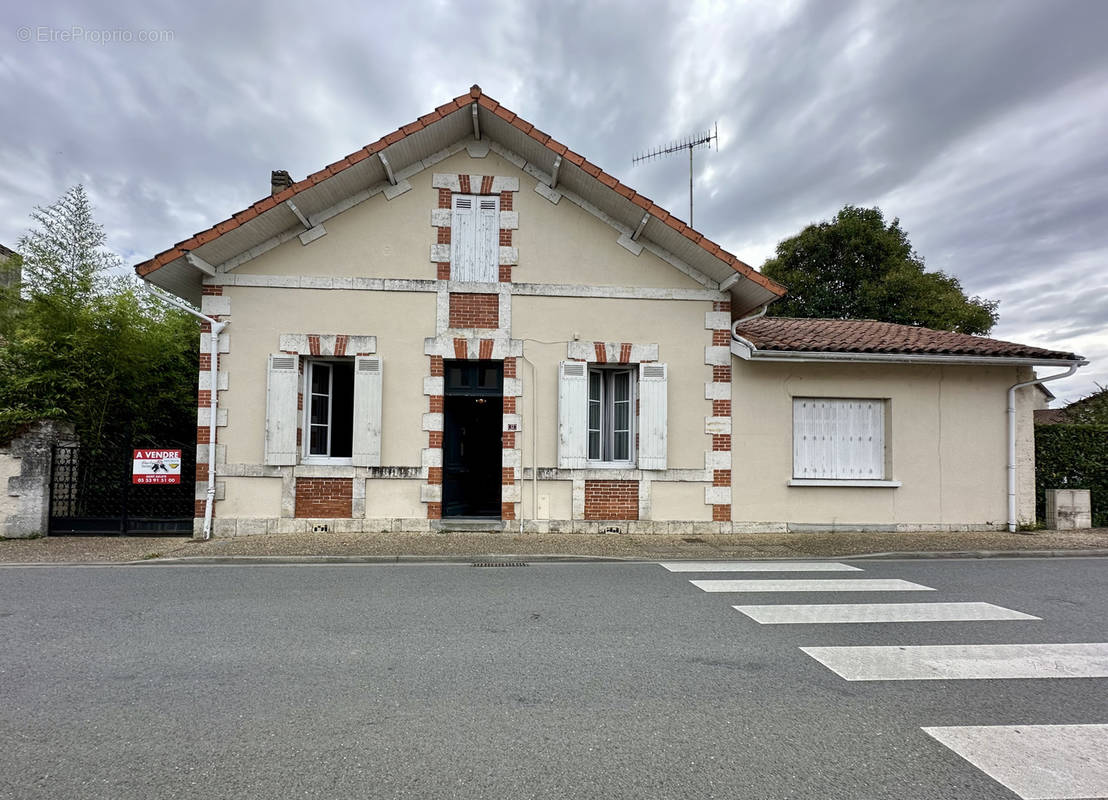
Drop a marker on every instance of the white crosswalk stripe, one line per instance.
(1037, 762)
(758, 566)
(828, 585)
(964, 662)
(879, 612)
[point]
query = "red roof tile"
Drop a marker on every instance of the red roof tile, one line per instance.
(870, 336)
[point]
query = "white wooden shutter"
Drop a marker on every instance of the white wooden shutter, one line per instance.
(282, 385)
(463, 238)
(366, 450)
(487, 260)
(653, 416)
(573, 419)
(838, 439)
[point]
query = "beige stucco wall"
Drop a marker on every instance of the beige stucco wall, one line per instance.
(547, 324)
(251, 498)
(672, 500)
(946, 444)
(399, 320)
(393, 499)
(558, 499)
(381, 238)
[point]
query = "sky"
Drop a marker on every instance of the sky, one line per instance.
(981, 125)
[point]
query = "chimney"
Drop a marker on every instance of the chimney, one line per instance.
(279, 181)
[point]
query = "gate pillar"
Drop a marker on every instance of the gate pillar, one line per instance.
(27, 465)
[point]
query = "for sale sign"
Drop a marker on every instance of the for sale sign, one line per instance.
(156, 466)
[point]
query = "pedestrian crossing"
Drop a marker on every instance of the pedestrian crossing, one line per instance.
(1036, 762)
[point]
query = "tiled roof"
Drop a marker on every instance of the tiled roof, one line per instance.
(475, 95)
(870, 336)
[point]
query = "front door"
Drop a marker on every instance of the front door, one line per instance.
(472, 421)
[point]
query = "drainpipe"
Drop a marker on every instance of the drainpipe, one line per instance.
(735, 327)
(1012, 436)
(534, 450)
(216, 327)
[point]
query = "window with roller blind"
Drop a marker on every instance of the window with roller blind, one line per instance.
(839, 439)
(475, 238)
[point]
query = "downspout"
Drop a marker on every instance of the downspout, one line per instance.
(534, 450)
(735, 328)
(216, 327)
(1012, 436)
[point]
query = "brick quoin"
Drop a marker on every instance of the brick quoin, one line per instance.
(721, 305)
(509, 405)
(474, 310)
(204, 398)
(507, 476)
(463, 181)
(505, 237)
(435, 404)
(721, 374)
(721, 408)
(721, 513)
(505, 201)
(444, 235)
(611, 500)
(434, 475)
(721, 442)
(507, 511)
(721, 477)
(201, 473)
(505, 273)
(436, 367)
(324, 498)
(203, 435)
(212, 291)
(434, 511)
(444, 198)
(434, 440)
(442, 270)
(508, 440)
(198, 511)
(509, 368)
(205, 362)
(721, 338)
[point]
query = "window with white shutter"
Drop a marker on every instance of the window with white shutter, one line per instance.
(366, 449)
(475, 238)
(573, 399)
(653, 415)
(838, 439)
(282, 385)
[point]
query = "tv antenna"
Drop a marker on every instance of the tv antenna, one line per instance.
(689, 143)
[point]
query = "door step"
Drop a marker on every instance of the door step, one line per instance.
(469, 525)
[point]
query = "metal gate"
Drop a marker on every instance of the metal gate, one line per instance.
(91, 492)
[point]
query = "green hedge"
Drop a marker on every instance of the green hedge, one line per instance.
(1072, 457)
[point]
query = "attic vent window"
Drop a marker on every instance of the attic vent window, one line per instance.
(475, 239)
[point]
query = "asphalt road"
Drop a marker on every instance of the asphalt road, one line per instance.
(550, 680)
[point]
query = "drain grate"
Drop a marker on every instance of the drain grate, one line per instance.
(500, 563)
(693, 540)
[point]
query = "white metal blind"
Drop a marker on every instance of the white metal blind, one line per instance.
(282, 385)
(475, 238)
(573, 400)
(366, 449)
(838, 438)
(652, 416)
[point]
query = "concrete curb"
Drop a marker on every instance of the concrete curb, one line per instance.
(983, 554)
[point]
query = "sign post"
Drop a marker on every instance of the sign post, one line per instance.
(156, 466)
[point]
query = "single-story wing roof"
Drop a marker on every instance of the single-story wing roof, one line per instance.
(788, 334)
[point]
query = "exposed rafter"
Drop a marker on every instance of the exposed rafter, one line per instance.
(729, 282)
(388, 168)
(476, 124)
(200, 264)
(642, 224)
(554, 172)
(299, 215)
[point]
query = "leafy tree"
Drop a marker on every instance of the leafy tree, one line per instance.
(858, 267)
(1089, 410)
(86, 344)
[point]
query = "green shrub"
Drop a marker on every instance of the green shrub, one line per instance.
(1072, 457)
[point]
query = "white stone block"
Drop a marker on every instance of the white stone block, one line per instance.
(510, 494)
(440, 253)
(717, 495)
(717, 425)
(513, 422)
(431, 457)
(445, 180)
(509, 220)
(432, 422)
(430, 493)
(204, 416)
(224, 342)
(215, 305)
(435, 385)
(513, 387)
(509, 255)
(717, 320)
(221, 380)
(716, 459)
(717, 391)
(440, 218)
(717, 356)
(501, 183)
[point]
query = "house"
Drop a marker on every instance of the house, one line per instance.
(466, 323)
(10, 273)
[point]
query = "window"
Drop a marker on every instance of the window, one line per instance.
(475, 238)
(611, 415)
(838, 439)
(329, 409)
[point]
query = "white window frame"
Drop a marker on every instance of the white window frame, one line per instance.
(485, 270)
(607, 416)
(306, 426)
(844, 405)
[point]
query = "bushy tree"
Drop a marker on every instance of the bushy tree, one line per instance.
(84, 343)
(858, 267)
